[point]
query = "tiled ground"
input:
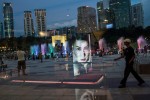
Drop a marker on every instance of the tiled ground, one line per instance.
(56, 70)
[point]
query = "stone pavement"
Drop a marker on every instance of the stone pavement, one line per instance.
(56, 70)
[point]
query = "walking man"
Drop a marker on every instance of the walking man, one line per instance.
(129, 58)
(21, 61)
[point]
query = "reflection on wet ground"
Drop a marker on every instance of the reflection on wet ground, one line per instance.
(45, 81)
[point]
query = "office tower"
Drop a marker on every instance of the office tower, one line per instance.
(8, 20)
(1, 30)
(100, 13)
(28, 24)
(40, 15)
(105, 16)
(50, 33)
(71, 31)
(106, 3)
(86, 22)
(68, 30)
(137, 14)
(121, 9)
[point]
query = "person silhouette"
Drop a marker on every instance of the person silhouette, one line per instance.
(21, 61)
(129, 58)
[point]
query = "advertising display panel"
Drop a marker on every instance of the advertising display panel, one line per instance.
(82, 61)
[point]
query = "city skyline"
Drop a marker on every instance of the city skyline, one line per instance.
(59, 13)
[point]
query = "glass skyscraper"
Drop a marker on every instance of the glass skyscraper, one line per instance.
(121, 9)
(105, 16)
(8, 20)
(86, 22)
(137, 15)
(100, 13)
(1, 30)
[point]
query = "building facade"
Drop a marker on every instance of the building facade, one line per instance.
(68, 31)
(105, 16)
(86, 22)
(1, 30)
(121, 10)
(28, 24)
(137, 15)
(40, 15)
(101, 16)
(8, 20)
(106, 3)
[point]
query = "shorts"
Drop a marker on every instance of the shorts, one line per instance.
(21, 65)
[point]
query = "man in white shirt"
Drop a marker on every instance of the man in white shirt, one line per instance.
(21, 62)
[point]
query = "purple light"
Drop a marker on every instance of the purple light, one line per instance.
(141, 42)
(43, 49)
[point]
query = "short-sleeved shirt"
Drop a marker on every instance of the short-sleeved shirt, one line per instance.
(21, 55)
(129, 53)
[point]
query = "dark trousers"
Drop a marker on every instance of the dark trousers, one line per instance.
(128, 69)
(41, 59)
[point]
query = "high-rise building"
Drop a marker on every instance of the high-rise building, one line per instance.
(100, 13)
(106, 3)
(40, 15)
(86, 22)
(137, 15)
(1, 30)
(105, 16)
(121, 9)
(28, 24)
(51, 32)
(68, 30)
(8, 20)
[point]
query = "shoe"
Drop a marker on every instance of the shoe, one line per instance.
(140, 83)
(122, 86)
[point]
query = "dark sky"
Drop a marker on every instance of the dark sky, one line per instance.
(58, 11)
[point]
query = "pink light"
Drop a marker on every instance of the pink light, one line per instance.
(85, 83)
(141, 42)
(120, 43)
(42, 82)
(102, 44)
(56, 82)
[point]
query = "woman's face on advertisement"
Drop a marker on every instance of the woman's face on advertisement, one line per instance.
(82, 50)
(87, 96)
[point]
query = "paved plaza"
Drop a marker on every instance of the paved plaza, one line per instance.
(44, 81)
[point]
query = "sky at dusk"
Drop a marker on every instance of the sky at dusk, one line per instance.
(57, 11)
